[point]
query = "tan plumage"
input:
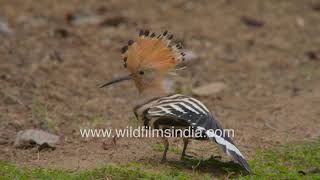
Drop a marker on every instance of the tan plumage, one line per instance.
(151, 53)
(153, 56)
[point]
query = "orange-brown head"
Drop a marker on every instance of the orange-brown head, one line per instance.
(149, 58)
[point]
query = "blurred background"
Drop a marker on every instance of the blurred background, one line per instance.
(255, 64)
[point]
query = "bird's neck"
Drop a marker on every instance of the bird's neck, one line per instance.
(153, 90)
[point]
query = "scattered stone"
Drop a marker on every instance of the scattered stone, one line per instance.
(312, 170)
(249, 21)
(107, 144)
(300, 21)
(32, 137)
(4, 28)
(115, 22)
(33, 21)
(87, 20)
(4, 76)
(312, 55)
(209, 89)
(61, 33)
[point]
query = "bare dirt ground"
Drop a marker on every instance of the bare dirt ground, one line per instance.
(59, 52)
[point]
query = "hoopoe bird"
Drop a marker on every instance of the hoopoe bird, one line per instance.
(149, 59)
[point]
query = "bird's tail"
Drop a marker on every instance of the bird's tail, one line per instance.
(227, 145)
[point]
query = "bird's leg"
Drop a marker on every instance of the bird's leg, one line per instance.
(185, 144)
(166, 147)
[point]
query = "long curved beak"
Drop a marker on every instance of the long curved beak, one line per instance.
(116, 80)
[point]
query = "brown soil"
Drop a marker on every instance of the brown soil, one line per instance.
(266, 52)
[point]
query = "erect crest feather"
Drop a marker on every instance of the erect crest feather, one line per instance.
(153, 52)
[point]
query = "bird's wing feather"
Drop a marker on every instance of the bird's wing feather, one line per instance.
(190, 111)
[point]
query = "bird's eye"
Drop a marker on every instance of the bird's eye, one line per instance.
(141, 72)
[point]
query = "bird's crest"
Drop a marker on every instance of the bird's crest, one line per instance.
(149, 58)
(153, 52)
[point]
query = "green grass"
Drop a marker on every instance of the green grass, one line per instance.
(285, 162)
(160, 148)
(290, 162)
(131, 172)
(12, 172)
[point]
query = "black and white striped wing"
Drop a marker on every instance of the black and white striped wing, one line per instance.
(191, 111)
(182, 108)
